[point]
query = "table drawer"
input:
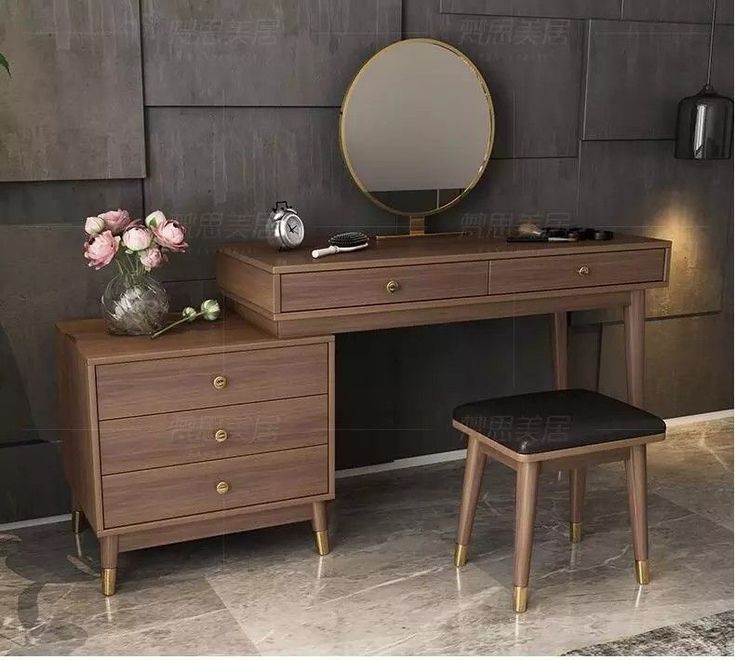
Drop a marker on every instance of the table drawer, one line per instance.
(154, 386)
(578, 270)
(138, 443)
(184, 490)
(384, 285)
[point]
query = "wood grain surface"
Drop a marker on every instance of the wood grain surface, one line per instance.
(182, 490)
(563, 272)
(138, 443)
(369, 286)
(154, 386)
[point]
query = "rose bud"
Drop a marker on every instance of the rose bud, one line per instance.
(116, 221)
(170, 235)
(94, 225)
(189, 313)
(137, 239)
(155, 219)
(101, 249)
(210, 310)
(151, 258)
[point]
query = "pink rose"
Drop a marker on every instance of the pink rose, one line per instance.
(101, 249)
(170, 235)
(137, 238)
(152, 258)
(94, 225)
(116, 221)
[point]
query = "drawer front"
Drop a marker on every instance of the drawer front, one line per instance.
(156, 386)
(385, 285)
(579, 270)
(139, 443)
(184, 490)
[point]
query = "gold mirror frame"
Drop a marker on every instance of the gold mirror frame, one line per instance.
(417, 223)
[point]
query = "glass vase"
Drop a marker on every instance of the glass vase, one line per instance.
(134, 304)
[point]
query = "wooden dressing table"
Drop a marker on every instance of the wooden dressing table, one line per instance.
(230, 426)
(408, 282)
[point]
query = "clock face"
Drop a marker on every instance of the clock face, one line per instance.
(292, 230)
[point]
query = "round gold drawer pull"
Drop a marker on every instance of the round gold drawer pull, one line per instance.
(220, 435)
(223, 488)
(220, 382)
(583, 270)
(392, 286)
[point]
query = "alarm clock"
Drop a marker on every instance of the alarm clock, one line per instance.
(285, 229)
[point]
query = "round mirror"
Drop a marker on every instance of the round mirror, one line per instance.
(417, 127)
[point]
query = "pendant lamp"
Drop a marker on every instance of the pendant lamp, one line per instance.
(704, 121)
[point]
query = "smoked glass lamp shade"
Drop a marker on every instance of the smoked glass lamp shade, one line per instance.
(704, 126)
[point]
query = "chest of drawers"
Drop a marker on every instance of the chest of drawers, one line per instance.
(214, 429)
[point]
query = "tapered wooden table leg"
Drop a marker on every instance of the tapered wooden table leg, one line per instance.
(526, 492)
(577, 478)
(634, 321)
(319, 525)
(635, 470)
(473, 471)
(108, 560)
(559, 349)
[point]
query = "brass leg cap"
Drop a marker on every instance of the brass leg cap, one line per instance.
(322, 542)
(109, 577)
(520, 599)
(642, 574)
(460, 555)
(575, 532)
(77, 521)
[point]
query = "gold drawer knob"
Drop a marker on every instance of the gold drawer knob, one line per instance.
(220, 435)
(219, 382)
(583, 270)
(223, 488)
(392, 286)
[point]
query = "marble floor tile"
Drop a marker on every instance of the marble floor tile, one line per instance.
(389, 586)
(214, 633)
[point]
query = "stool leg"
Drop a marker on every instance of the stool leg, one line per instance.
(635, 470)
(526, 491)
(577, 479)
(319, 525)
(473, 470)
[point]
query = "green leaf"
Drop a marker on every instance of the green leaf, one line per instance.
(4, 63)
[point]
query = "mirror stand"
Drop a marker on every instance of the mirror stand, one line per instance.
(417, 229)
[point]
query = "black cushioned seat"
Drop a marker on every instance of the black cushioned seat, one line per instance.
(559, 419)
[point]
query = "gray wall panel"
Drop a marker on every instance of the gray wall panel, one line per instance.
(679, 353)
(74, 106)
(540, 8)
(684, 11)
(526, 63)
(543, 190)
(639, 187)
(55, 284)
(52, 202)
(219, 171)
(32, 483)
(636, 75)
(261, 52)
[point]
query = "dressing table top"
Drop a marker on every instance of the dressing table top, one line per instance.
(426, 250)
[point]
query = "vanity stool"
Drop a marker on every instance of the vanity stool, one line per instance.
(547, 432)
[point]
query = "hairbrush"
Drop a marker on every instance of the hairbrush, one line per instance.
(348, 241)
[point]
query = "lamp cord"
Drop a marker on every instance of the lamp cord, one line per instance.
(711, 42)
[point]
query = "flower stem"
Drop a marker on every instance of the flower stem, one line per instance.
(175, 323)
